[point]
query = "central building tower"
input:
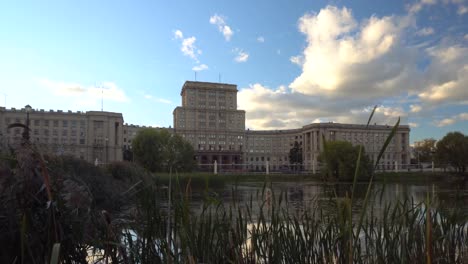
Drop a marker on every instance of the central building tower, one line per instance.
(210, 121)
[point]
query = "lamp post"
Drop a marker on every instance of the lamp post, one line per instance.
(107, 151)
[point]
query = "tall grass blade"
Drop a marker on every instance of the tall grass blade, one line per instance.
(428, 230)
(358, 162)
(54, 259)
(366, 198)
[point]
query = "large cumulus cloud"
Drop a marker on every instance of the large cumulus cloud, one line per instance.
(349, 65)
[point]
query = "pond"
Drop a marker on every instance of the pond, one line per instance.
(310, 195)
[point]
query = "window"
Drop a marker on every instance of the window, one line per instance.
(55, 123)
(65, 123)
(37, 122)
(46, 122)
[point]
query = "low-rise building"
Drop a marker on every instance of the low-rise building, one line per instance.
(92, 135)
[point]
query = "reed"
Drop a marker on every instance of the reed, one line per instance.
(72, 213)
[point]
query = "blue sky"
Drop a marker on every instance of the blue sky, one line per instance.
(295, 62)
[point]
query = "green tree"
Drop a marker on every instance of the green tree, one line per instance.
(340, 157)
(452, 150)
(423, 150)
(159, 150)
(295, 155)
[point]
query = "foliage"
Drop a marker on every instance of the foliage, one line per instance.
(295, 154)
(60, 203)
(43, 207)
(424, 150)
(452, 149)
(340, 158)
(159, 150)
(267, 232)
(127, 155)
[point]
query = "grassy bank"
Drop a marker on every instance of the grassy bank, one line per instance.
(418, 176)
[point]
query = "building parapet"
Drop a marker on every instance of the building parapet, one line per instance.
(351, 126)
(42, 111)
(208, 85)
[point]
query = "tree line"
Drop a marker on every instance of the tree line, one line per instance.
(160, 150)
(449, 152)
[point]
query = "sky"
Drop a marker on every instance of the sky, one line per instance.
(294, 62)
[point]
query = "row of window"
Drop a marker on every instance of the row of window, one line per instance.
(46, 132)
(54, 140)
(262, 158)
(46, 122)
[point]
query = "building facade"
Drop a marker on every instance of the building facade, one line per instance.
(93, 136)
(210, 120)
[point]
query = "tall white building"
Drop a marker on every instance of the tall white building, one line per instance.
(210, 120)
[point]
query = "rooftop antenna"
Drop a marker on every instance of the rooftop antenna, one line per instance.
(102, 99)
(219, 77)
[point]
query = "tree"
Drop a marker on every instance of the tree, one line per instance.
(295, 155)
(340, 159)
(452, 150)
(423, 150)
(127, 155)
(159, 150)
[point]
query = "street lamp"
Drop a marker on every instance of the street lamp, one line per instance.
(432, 156)
(107, 150)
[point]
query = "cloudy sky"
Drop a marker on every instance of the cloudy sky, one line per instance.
(294, 62)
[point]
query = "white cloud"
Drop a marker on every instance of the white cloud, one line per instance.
(346, 57)
(106, 90)
(425, 31)
(466, 37)
(222, 26)
(188, 47)
(415, 108)
(411, 124)
(447, 76)
(462, 10)
(156, 99)
(418, 5)
(261, 39)
(445, 122)
(356, 64)
(452, 120)
(282, 108)
(178, 34)
(200, 67)
(463, 116)
(242, 56)
(299, 60)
